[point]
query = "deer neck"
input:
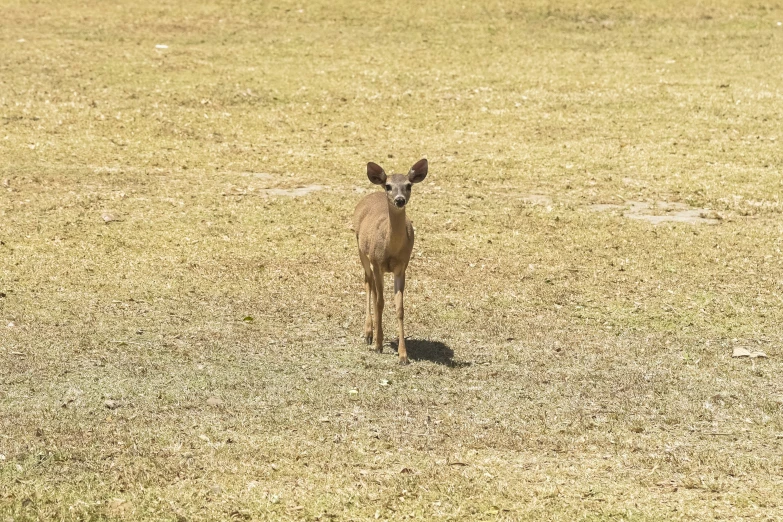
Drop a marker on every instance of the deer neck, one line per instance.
(398, 231)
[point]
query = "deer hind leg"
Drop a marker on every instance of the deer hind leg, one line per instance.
(399, 288)
(378, 277)
(369, 289)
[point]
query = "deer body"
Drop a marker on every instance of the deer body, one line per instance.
(384, 236)
(391, 243)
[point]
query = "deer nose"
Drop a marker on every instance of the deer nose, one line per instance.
(399, 201)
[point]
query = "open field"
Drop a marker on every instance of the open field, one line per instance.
(180, 293)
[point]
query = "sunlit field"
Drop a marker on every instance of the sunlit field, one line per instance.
(181, 297)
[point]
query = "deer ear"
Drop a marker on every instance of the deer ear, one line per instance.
(418, 171)
(376, 174)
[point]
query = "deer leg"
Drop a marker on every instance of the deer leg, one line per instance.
(399, 288)
(378, 276)
(369, 289)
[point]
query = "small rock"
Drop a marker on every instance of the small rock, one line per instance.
(214, 401)
(112, 405)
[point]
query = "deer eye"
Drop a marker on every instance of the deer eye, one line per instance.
(388, 188)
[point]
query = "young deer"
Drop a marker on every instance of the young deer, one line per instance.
(385, 238)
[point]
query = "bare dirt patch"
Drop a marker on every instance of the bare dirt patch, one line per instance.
(660, 212)
(540, 200)
(292, 192)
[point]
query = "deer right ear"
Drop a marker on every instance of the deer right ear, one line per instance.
(376, 174)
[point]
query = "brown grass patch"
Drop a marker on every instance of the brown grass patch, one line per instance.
(198, 354)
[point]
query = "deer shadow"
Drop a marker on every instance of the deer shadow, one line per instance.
(433, 351)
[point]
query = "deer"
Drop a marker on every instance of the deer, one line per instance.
(384, 235)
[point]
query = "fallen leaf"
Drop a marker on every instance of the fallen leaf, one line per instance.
(248, 319)
(407, 471)
(385, 382)
(744, 352)
(119, 506)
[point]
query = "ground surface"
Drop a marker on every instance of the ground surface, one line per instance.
(180, 296)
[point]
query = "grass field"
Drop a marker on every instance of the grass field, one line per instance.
(181, 301)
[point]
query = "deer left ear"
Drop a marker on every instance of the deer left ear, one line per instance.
(418, 171)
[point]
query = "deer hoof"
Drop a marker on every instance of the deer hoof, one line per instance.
(404, 361)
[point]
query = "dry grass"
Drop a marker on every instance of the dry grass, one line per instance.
(568, 364)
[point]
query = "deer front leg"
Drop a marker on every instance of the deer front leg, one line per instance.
(378, 277)
(399, 289)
